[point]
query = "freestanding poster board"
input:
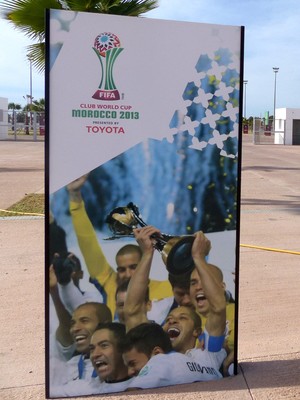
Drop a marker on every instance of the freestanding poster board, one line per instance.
(143, 131)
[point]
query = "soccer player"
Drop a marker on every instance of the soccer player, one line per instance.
(149, 356)
(73, 335)
(106, 357)
(104, 277)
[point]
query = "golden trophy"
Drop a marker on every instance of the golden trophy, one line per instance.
(175, 250)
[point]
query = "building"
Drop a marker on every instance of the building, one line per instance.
(287, 126)
(3, 118)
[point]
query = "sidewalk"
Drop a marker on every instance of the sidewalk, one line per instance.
(22, 137)
(269, 338)
(21, 170)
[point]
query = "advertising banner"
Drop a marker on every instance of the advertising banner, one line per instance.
(143, 187)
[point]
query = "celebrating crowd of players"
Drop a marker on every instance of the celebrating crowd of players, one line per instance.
(133, 332)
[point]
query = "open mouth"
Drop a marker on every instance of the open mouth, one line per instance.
(173, 333)
(100, 365)
(200, 297)
(80, 339)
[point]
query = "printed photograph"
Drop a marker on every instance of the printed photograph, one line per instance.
(143, 218)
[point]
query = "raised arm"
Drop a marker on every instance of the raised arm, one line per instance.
(212, 287)
(63, 335)
(85, 233)
(95, 260)
(134, 309)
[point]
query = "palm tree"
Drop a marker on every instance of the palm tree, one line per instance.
(13, 107)
(38, 106)
(28, 17)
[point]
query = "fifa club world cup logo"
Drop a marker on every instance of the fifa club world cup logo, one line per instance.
(107, 47)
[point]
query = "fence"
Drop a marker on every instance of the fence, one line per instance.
(262, 133)
(19, 125)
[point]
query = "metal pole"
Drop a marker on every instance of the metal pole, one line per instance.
(15, 123)
(30, 92)
(34, 126)
(275, 69)
(245, 113)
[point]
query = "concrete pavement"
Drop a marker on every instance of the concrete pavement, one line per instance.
(269, 304)
(21, 170)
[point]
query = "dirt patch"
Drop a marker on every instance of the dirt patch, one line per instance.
(31, 204)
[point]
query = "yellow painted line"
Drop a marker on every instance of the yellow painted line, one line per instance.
(270, 249)
(22, 213)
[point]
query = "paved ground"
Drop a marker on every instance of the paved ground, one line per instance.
(269, 338)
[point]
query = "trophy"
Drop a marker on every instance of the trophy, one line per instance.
(175, 250)
(107, 48)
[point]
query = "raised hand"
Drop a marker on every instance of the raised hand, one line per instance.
(201, 246)
(145, 239)
(74, 188)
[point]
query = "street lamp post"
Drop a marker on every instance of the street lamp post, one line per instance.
(245, 97)
(275, 69)
(30, 88)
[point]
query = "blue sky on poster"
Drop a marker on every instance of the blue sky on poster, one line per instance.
(272, 39)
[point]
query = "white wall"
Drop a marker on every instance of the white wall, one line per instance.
(3, 118)
(291, 114)
(284, 125)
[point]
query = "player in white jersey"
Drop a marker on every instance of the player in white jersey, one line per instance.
(213, 289)
(76, 337)
(173, 369)
(106, 359)
(65, 298)
(148, 354)
(183, 325)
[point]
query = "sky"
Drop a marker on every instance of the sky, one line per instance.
(272, 39)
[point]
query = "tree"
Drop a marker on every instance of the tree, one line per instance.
(36, 106)
(13, 107)
(28, 17)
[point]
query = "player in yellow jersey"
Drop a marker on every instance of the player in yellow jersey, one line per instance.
(103, 275)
